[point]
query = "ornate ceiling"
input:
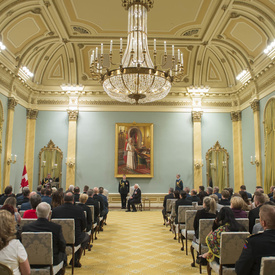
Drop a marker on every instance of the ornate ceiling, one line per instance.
(219, 39)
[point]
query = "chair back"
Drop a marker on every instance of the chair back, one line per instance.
(199, 207)
(181, 212)
(205, 227)
(39, 247)
(22, 212)
(244, 222)
(195, 204)
(68, 229)
(267, 265)
(169, 205)
(173, 208)
(189, 219)
(5, 270)
(93, 213)
(257, 220)
(26, 221)
(231, 246)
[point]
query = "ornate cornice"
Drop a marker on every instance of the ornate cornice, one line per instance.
(12, 102)
(196, 116)
(32, 113)
(73, 115)
(255, 105)
(236, 116)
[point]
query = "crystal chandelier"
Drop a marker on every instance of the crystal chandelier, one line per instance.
(137, 78)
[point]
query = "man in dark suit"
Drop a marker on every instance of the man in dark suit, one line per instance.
(258, 245)
(136, 198)
(194, 197)
(123, 189)
(27, 205)
(169, 196)
(48, 197)
(7, 193)
(225, 198)
(259, 200)
(42, 224)
(69, 210)
(243, 188)
(92, 201)
(216, 192)
(76, 194)
(25, 196)
(182, 201)
(179, 183)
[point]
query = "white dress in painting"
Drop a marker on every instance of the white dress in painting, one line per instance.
(130, 156)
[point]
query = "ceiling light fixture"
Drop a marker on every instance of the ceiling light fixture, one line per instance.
(270, 50)
(243, 76)
(137, 79)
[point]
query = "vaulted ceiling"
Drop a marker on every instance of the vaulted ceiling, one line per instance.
(54, 40)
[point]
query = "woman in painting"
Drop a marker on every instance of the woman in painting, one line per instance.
(130, 149)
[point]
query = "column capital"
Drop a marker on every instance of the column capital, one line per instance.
(196, 116)
(255, 105)
(12, 102)
(32, 113)
(236, 116)
(73, 115)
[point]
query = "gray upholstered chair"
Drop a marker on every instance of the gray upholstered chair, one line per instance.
(94, 226)
(244, 222)
(5, 270)
(26, 221)
(257, 220)
(267, 265)
(68, 230)
(40, 252)
(205, 227)
(181, 217)
(188, 232)
(199, 207)
(231, 247)
(168, 209)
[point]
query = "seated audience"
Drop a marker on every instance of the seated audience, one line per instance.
(7, 194)
(31, 214)
(259, 245)
(92, 201)
(225, 222)
(24, 197)
(134, 199)
(259, 200)
(57, 199)
(244, 196)
(42, 224)
(215, 197)
(201, 194)
(85, 189)
(243, 188)
(209, 191)
(271, 192)
(169, 196)
(237, 205)
(38, 190)
(71, 188)
(105, 202)
(48, 196)
(69, 210)
(27, 205)
(193, 197)
(225, 198)
(182, 201)
(76, 194)
(82, 200)
(187, 190)
(12, 252)
(176, 194)
(12, 202)
(43, 192)
(209, 211)
(216, 192)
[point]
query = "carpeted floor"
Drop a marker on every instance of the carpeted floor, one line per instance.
(136, 243)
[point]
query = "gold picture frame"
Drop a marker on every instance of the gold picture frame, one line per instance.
(134, 150)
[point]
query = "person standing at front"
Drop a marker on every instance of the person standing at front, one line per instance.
(123, 189)
(179, 184)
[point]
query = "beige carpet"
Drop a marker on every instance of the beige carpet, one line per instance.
(136, 243)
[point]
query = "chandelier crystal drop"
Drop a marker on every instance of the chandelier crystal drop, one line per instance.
(137, 78)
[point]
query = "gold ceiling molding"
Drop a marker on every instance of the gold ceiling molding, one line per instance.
(52, 102)
(255, 105)
(73, 115)
(12, 102)
(236, 116)
(32, 113)
(196, 116)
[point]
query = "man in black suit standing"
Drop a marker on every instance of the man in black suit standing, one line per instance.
(70, 211)
(169, 196)
(136, 198)
(42, 224)
(258, 245)
(179, 183)
(123, 189)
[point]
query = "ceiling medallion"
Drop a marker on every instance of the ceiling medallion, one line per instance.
(137, 79)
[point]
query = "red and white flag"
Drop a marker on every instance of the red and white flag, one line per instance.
(24, 181)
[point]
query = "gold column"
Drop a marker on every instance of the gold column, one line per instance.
(29, 143)
(70, 174)
(196, 117)
(237, 149)
(12, 102)
(255, 105)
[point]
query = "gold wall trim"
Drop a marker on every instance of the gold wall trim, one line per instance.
(255, 105)
(32, 113)
(236, 116)
(12, 102)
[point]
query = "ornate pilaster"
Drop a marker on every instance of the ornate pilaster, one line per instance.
(12, 102)
(236, 118)
(255, 105)
(197, 151)
(73, 115)
(32, 113)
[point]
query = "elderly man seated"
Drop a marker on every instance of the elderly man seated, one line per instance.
(136, 198)
(42, 224)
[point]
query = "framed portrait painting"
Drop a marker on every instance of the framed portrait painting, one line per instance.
(134, 153)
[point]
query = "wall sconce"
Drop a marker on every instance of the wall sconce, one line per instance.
(70, 162)
(55, 166)
(224, 164)
(43, 164)
(198, 164)
(213, 166)
(11, 159)
(255, 161)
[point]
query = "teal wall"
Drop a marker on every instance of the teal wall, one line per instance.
(248, 140)
(96, 145)
(263, 102)
(18, 146)
(217, 127)
(4, 101)
(51, 125)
